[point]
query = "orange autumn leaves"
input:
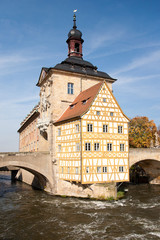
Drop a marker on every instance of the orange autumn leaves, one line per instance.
(142, 132)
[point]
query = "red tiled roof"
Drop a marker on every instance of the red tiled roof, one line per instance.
(81, 103)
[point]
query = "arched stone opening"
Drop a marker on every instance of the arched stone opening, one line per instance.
(29, 176)
(145, 171)
(138, 175)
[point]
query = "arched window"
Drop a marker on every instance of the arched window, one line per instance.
(76, 49)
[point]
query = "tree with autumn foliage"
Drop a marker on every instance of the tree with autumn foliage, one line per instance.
(158, 134)
(142, 132)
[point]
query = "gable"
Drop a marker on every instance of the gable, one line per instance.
(106, 104)
(43, 74)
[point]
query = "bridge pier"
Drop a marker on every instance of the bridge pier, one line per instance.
(13, 175)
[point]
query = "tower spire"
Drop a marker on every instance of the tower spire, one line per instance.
(74, 21)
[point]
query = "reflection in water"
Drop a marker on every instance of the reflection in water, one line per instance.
(32, 214)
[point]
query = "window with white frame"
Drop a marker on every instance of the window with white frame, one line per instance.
(76, 170)
(62, 170)
(98, 113)
(77, 128)
(121, 147)
(111, 114)
(104, 99)
(77, 147)
(109, 146)
(121, 169)
(59, 131)
(120, 128)
(105, 128)
(98, 169)
(87, 169)
(88, 146)
(104, 169)
(89, 127)
(96, 147)
(70, 88)
(68, 170)
(59, 148)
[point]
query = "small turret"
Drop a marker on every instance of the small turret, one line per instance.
(75, 41)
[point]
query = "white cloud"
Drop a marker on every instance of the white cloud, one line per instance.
(114, 51)
(19, 101)
(151, 58)
(129, 79)
(14, 59)
(103, 37)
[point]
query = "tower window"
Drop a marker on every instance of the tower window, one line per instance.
(70, 88)
(76, 49)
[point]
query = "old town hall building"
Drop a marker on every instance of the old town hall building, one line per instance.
(78, 121)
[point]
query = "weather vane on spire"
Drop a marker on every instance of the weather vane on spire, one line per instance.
(74, 19)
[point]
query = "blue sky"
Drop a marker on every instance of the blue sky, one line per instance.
(121, 38)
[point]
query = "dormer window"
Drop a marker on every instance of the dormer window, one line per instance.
(71, 106)
(84, 102)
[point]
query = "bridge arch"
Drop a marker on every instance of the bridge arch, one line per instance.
(37, 164)
(149, 160)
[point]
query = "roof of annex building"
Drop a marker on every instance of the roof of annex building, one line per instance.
(81, 104)
(32, 112)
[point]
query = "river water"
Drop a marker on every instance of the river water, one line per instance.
(28, 214)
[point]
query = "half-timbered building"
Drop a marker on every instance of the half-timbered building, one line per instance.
(92, 138)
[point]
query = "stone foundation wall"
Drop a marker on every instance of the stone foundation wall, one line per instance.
(100, 191)
(70, 189)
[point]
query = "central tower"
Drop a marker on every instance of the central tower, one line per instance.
(75, 41)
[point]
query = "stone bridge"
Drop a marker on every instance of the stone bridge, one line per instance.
(148, 159)
(38, 164)
(40, 167)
